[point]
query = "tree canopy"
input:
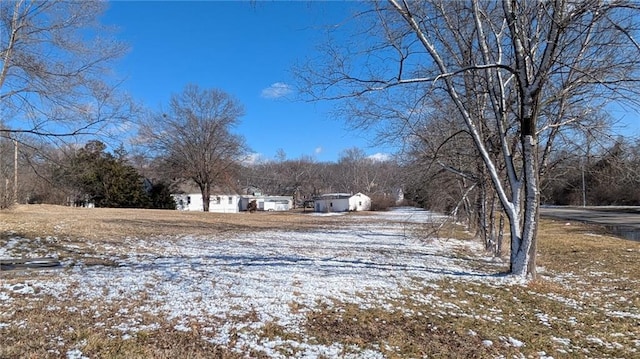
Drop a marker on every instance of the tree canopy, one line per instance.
(96, 177)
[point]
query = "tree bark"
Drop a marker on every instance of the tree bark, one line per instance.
(206, 197)
(523, 241)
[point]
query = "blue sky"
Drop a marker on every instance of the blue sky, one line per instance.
(246, 49)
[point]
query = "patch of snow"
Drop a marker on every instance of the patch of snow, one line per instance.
(182, 328)
(595, 340)
(515, 342)
(22, 288)
(244, 281)
(562, 341)
(328, 214)
(619, 314)
(76, 354)
(544, 319)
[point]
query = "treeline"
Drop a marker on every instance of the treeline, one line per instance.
(87, 176)
(609, 177)
(304, 178)
(443, 173)
(93, 176)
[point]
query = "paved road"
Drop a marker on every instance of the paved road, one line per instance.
(608, 216)
(621, 221)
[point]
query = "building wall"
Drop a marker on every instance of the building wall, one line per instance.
(332, 204)
(224, 203)
(359, 202)
(267, 203)
(217, 203)
(342, 203)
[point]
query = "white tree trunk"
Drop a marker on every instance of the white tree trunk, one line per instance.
(523, 238)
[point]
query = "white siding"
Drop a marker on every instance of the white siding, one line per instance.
(359, 202)
(268, 203)
(227, 203)
(342, 202)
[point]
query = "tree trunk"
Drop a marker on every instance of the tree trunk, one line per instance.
(206, 196)
(500, 236)
(491, 241)
(523, 239)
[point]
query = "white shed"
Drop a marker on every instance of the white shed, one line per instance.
(342, 202)
(267, 203)
(218, 203)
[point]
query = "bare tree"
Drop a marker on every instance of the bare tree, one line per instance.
(378, 178)
(194, 138)
(515, 73)
(55, 74)
(282, 176)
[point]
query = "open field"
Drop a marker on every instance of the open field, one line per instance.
(165, 284)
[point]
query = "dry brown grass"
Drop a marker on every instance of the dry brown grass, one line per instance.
(586, 278)
(588, 295)
(42, 328)
(117, 224)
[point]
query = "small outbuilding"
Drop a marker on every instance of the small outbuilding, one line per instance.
(342, 202)
(267, 203)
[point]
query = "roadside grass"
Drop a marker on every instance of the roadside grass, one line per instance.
(585, 303)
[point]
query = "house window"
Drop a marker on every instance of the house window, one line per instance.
(230, 200)
(360, 203)
(188, 199)
(217, 200)
(331, 204)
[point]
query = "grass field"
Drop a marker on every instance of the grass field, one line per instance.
(167, 284)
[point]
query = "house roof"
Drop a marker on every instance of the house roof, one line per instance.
(340, 195)
(334, 196)
(249, 196)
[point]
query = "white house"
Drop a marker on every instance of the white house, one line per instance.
(342, 202)
(219, 203)
(267, 203)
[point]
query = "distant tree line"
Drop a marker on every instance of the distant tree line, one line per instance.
(303, 178)
(608, 175)
(91, 175)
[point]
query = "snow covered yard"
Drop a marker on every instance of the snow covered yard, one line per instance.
(360, 286)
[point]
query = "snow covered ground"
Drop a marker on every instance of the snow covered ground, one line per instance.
(193, 279)
(232, 286)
